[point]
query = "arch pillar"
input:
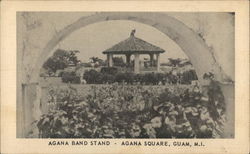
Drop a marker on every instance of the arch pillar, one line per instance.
(28, 108)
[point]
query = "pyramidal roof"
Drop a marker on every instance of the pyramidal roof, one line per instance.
(133, 45)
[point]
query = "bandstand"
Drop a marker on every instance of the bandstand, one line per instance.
(134, 46)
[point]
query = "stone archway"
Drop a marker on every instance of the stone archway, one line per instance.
(190, 42)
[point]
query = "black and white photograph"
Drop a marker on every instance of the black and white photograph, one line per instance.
(121, 74)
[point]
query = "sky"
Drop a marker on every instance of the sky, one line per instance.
(95, 38)
(217, 29)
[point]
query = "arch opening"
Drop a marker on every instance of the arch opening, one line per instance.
(192, 45)
(91, 40)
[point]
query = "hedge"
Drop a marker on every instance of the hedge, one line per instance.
(70, 77)
(109, 70)
(110, 75)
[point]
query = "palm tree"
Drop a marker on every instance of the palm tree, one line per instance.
(174, 62)
(94, 59)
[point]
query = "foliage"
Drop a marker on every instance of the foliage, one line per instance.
(111, 75)
(62, 122)
(115, 111)
(60, 74)
(97, 61)
(107, 78)
(109, 70)
(174, 62)
(92, 77)
(188, 76)
(70, 77)
(72, 58)
(86, 64)
(60, 60)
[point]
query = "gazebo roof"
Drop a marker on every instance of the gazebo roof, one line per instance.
(133, 45)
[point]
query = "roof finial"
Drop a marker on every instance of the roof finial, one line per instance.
(132, 32)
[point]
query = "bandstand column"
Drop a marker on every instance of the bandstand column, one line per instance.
(128, 58)
(137, 63)
(110, 60)
(151, 59)
(158, 62)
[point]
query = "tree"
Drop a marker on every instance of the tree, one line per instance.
(97, 61)
(60, 60)
(174, 62)
(72, 57)
(94, 59)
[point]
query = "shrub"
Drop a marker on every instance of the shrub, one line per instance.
(172, 79)
(111, 75)
(135, 112)
(120, 77)
(188, 76)
(92, 77)
(86, 64)
(109, 70)
(70, 77)
(129, 77)
(160, 77)
(60, 74)
(150, 78)
(107, 78)
(138, 78)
